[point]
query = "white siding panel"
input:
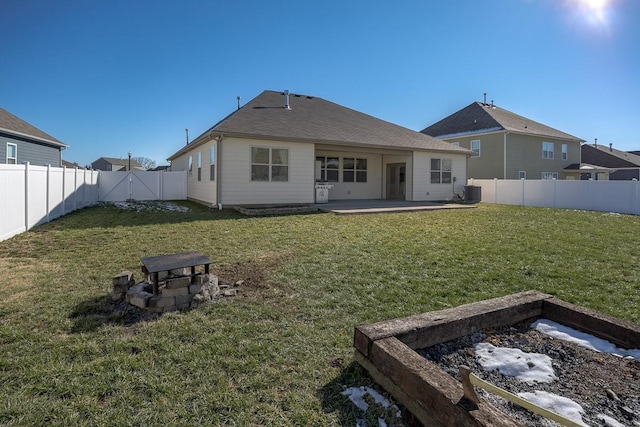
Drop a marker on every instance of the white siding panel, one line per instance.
(12, 200)
(37, 197)
(234, 157)
(424, 190)
(174, 185)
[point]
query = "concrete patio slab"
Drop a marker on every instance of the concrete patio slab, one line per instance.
(353, 207)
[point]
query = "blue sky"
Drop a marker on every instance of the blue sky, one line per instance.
(109, 77)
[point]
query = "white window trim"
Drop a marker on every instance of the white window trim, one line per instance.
(15, 159)
(199, 165)
(355, 170)
(325, 169)
(441, 171)
(545, 154)
(565, 151)
(471, 147)
(270, 164)
(549, 175)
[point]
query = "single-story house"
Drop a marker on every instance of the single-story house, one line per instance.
(115, 164)
(506, 145)
(613, 164)
(277, 147)
(22, 142)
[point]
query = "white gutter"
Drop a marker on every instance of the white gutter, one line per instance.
(218, 174)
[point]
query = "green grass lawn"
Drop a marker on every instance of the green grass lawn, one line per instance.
(280, 353)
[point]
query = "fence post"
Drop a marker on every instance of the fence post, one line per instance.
(495, 190)
(555, 202)
(48, 191)
(64, 196)
(26, 196)
(522, 179)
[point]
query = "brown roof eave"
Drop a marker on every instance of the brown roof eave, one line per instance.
(314, 141)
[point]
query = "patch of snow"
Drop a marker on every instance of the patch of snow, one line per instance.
(558, 404)
(357, 394)
(558, 331)
(609, 422)
(513, 362)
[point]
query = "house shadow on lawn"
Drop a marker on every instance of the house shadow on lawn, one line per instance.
(354, 375)
(90, 315)
(109, 215)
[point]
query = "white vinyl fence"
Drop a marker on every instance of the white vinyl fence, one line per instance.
(33, 195)
(606, 196)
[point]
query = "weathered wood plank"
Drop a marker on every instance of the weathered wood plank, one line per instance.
(620, 332)
(438, 395)
(418, 411)
(445, 325)
(154, 264)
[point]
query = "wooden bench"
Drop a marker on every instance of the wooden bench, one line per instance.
(156, 264)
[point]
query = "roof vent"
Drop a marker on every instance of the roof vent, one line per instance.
(286, 100)
(611, 147)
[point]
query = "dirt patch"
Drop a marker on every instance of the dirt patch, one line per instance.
(603, 384)
(252, 277)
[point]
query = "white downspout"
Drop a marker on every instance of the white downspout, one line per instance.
(218, 174)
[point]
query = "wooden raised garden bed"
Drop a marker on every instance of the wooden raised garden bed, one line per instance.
(387, 351)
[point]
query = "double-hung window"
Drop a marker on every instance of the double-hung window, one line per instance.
(547, 150)
(564, 152)
(212, 163)
(475, 147)
(441, 171)
(190, 164)
(199, 165)
(354, 170)
(269, 164)
(549, 175)
(329, 168)
(12, 153)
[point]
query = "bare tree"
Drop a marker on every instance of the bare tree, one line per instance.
(145, 162)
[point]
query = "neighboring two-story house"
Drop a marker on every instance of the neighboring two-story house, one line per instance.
(508, 146)
(21, 142)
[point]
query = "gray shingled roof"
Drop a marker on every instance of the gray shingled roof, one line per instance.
(313, 119)
(609, 157)
(16, 126)
(479, 118)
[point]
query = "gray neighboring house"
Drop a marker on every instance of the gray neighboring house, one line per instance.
(611, 163)
(506, 145)
(22, 142)
(114, 164)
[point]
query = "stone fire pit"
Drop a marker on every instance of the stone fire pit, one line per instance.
(390, 352)
(172, 282)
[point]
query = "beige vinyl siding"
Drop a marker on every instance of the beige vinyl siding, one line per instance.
(234, 161)
(424, 190)
(356, 190)
(203, 191)
(490, 164)
(524, 152)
